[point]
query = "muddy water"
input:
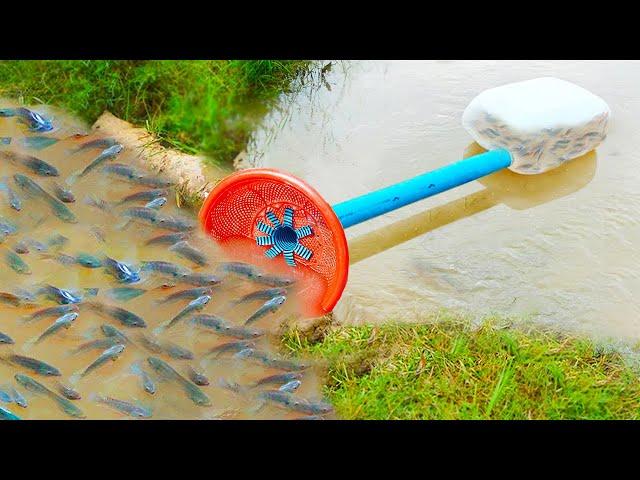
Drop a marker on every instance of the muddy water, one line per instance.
(115, 379)
(560, 248)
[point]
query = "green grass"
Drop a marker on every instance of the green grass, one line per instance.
(197, 106)
(448, 370)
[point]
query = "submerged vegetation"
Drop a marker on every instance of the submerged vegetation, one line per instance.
(197, 106)
(449, 370)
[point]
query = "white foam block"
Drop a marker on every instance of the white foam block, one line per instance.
(542, 122)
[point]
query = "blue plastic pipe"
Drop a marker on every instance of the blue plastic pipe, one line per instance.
(371, 205)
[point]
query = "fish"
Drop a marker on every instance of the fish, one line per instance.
(12, 197)
(220, 327)
(60, 295)
(51, 312)
(112, 332)
(152, 181)
(57, 241)
(8, 414)
(98, 233)
(58, 208)
(101, 143)
(121, 271)
(150, 343)
(36, 366)
(166, 371)
(5, 396)
(10, 299)
(291, 386)
(185, 250)
(88, 261)
(174, 223)
(64, 321)
(6, 339)
(111, 353)
(176, 351)
(125, 294)
(167, 268)
(91, 292)
(267, 294)
(278, 379)
(148, 215)
(200, 279)
(17, 398)
(125, 317)
(7, 227)
(274, 280)
(68, 392)
(167, 239)
(98, 344)
(38, 142)
(244, 353)
(288, 401)
(147, 382)
(270, 306)
(193, 306)
(197, 378)
(145, 196)
(122, 170)
(234, 387)
(16, 263)
(63, 194)
(99, 203)
(240, 268)
(35, 121)
(190, 293)
(122, 406)
(36, 165)
(231, 347)
(107, 154)
(22, 247)
(279, 363)
(36, 387)
(157, 203)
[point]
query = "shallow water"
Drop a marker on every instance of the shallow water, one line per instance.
(115, 379)
(560, 249)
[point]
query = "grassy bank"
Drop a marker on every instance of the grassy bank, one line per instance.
(451, 371)
(204, 106)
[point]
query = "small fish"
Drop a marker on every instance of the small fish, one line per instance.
(63, 194)
(174, 223)
(68, 392)
(125, 317)
(220, 327)
(193, 306)
(22, 247)
(288, 401)
(110, 331)
(7, 227)
(16, 263)
(125, 294)
(10, 299)
(157, 204)
(64, 321)
(8, 414)
(168, 239)
(17, 398)
(58, 208)
(164, 267)
(152, 181)
(99, 203)
(27, 299)
(123, 407)
(165, 370)
(91, 292)
(122, 170)
(35, 387)
(197, 378)
(60, 295)
(38, 142)
(36, 366)
(5, 396)
(190, 293)
(274, 281)
(237, 346)
(185, 250)
(107, 154)
(147, 383)
(12, 197)
(234, 387)
(269, 306)
(123, 272)
(200, 279)
(36, 165)
(101, 143)
(244, 353)
(57, 241)
(6, 339)
(98, 344)
(111, 353)
(267, 294)
(98, 233)
(144, 196)
(51, 312)
(35, 121)
(279, 379)
(88, 261)
(176, 351)
(281, 364)
(291, 386)
(240, 268)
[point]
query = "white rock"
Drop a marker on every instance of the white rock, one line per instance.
(542, 122)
